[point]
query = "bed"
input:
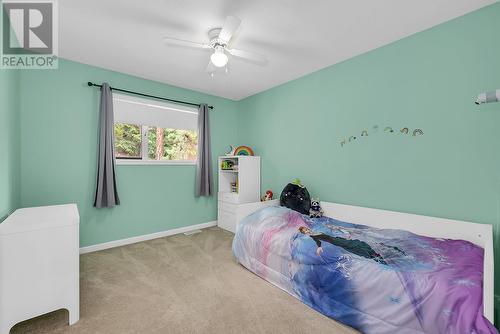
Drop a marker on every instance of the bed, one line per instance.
(374, 270)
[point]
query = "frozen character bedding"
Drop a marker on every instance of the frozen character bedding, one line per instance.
(377, 281)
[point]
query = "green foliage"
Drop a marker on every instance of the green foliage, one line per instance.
(178, 144)
(127, 140)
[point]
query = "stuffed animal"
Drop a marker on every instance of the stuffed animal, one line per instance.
(296, 197)
(315, 211)
(267, 196)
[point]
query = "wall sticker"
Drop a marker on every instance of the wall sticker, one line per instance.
(417, 132)
(387, 131)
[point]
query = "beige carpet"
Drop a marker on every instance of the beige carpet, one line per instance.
(180, 284)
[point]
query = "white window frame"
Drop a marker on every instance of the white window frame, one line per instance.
(144, 155)
(144, 160)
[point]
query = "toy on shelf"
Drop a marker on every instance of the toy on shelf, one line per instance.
(234, 187)
(267, 196)
(243, 150)
(315, 211)
(227, 165)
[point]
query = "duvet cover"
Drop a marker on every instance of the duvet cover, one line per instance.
(376, 281)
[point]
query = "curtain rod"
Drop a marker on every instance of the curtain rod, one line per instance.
(147, 95)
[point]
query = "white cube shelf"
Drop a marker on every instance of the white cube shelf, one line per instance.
(246, 173)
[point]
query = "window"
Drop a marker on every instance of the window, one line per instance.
(151, 131)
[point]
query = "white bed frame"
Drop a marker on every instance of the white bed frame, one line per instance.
(478, 234)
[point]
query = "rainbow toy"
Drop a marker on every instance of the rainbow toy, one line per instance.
(243, 150)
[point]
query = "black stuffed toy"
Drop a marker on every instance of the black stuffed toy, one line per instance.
(296, 197)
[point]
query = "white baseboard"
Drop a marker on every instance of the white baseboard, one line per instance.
(133, 240)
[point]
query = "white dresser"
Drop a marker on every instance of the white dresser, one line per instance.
(39, 264)
(246, 174)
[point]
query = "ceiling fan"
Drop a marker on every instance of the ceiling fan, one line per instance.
(219, 41)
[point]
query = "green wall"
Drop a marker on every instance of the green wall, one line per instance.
(428, 81)
(9, 142)
(59, 140)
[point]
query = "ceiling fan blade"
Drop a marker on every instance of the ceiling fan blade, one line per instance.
(184, 43)
(230, 27)
(254, 57)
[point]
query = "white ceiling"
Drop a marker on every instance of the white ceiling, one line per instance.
(297, 36)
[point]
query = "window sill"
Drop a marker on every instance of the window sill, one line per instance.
(154, 163)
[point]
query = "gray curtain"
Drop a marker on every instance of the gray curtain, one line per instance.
(106, 195)
(204, 182)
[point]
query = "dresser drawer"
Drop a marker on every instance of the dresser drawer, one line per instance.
(228, 197)
(226, 220)
(228, 207)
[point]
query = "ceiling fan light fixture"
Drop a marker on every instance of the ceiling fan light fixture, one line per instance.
(219, 40)
(219, 58)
